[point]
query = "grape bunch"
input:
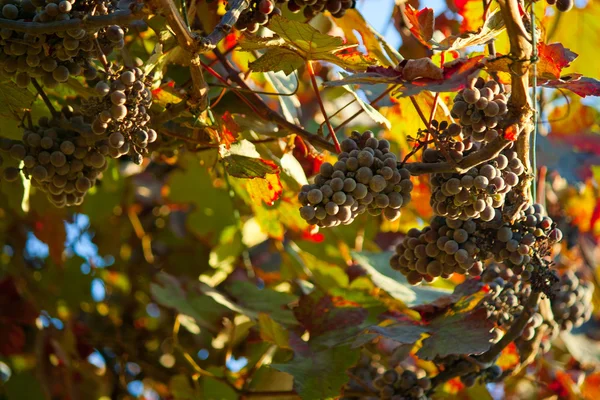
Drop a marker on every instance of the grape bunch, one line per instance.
(53, 57)
(58, 160)
(505, 301)
(561, 5)
(257, 14)
(531, 236)
(395, 383)
(571, 301)
(479, 109)
(121, 116)
(444, 247)
(478, 192)
(365, 178)
(490, 374)
(311, 8)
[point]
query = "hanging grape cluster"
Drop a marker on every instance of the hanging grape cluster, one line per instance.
(58, 160)
(523, 244)
(394, 383)
(260, 11)
(365, 178)
(450, 246)
(441, 249)
(53, 57)
(479, 109)
(476, 193)
(572, 301)
(561, 5)
(121, 114)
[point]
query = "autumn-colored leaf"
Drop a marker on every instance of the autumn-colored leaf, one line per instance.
(553, 58)
(375, 44)
(267, 189)
(456, 75)
(467, 333)
(320, 313)
(590, 389)
(421, 23)
(50, 229)
(492, 27)
(471, 11)
(577, 84)
(229, 130)
(509, 357)
(296, 43)
(243, 161)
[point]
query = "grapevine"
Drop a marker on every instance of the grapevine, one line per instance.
(268, 199)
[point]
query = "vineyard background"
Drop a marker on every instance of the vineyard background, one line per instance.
(193, 275)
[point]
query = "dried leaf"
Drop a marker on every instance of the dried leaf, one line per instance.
(421, 22)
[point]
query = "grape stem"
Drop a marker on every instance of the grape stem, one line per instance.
(487, 153)
(267, 114)
(44, 97)
(121, 18)
(313, 80)
(236, 7)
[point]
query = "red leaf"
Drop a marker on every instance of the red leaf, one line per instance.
(577, 84)
(553, 58)
(13, 307)
(50, 229)
(229, 130)
(12, 340)
(421, 23)
(320, 313)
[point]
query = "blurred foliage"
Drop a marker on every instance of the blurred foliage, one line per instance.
(194, 277)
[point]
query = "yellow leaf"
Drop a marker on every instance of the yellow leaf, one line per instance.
(268, 189)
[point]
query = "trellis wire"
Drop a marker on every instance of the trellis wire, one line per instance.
(533, 149)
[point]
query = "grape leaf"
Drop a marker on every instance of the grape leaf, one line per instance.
(421, 23)
(454, 76)
(50, 229)
(374, 42)
(320, 375)
(278, 59)
(492, 27)
(181, 389)
(577, 84)
(377, 266)
(276, 304)
(169, 292)
(467, 333)
(296, 43)
(265, 190)
(401, 332)
(243, 161)
(320, 313)
(273, 332)
(14, 100)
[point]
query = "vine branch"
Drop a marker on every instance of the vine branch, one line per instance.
(123, 17)
(267, 114)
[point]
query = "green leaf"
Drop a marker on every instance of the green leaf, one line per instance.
(273, 332)
(193, 184)
(279, 59)
(377, 266)
(181, 389)
(402, 332)
(467, 333)
(23, 386)
(14, 100)
(243, 161)
(321, 375)
(269, 301)
(230, 246)
(169, 293)
(301, 43)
